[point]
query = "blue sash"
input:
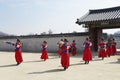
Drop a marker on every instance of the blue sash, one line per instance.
(44, 49)
(17, 49)
(65, 51)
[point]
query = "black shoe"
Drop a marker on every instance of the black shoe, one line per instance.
(65, 68)
(18, 63)
(102, 58)
(88, 62)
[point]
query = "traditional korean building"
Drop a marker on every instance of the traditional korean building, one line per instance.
(97, 20)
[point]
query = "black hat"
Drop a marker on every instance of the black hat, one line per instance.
(65, 40)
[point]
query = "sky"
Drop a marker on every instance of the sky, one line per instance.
(24, 17)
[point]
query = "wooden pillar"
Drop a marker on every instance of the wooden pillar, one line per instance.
(95, 35)
(98, 37)
(99, 34)
(91, 31)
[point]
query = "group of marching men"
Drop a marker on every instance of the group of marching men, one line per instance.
(104, 49)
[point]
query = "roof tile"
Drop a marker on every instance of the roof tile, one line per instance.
(100, 15)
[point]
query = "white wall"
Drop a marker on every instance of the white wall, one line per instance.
(34, 44)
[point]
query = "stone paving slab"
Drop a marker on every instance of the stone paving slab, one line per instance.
(35, 69)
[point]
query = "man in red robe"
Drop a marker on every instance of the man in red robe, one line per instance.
(65, 56)
(87, 55)
(44, 51)
(114, 51)
(18, 52)
(102, 49)
(73, 48)
(109, 48)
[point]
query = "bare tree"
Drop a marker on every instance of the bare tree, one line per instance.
(74, 32)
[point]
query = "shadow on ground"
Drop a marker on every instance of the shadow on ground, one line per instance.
(11, 65)
(77, 64)
(117, 62)
(33, 61)
(47, 71)
(39, 60)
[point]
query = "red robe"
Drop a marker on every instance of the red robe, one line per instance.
(87, 55)
(59, 51)
(44, 52)
(114, 51)
(73, 48)
(102, 51)
(109, 49)
(18, 53)
(65, 56)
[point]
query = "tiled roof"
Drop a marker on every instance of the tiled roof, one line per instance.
(100, 15)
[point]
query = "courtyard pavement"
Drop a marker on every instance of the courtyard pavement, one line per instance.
(35, 69)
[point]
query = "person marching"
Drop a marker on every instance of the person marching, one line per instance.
(65, 56)
(44, 51)
(114, 51)
(102, 49)
(87, 55)
(109, 48)
(18, 52)
(60, 43)
(73, 48)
